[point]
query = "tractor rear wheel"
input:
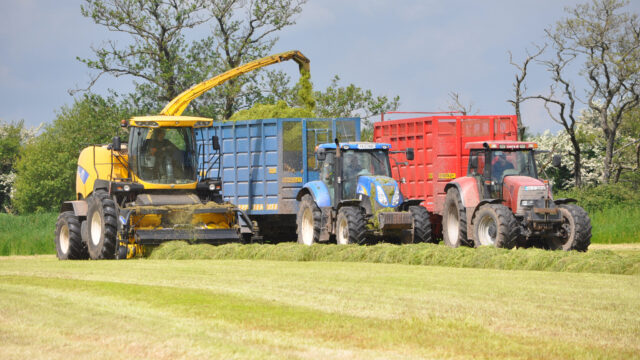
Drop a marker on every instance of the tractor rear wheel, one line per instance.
(575, 229)
(69, 245)
(495, 225)
(102, 226)
(309, 220)
(350, 226)
(421, 224)
(454, 220)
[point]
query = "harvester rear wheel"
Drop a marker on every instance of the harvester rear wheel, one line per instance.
(350, 226)
(69, 245)
(495, 225)
(454, 220)
(102, 226)
(421, 224)
(309, 220)
(576, 229)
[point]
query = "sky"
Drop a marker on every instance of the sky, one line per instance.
(420, 50)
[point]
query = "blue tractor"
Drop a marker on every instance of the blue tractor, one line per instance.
(356, 200)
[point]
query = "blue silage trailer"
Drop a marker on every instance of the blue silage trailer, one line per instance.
(264, 163)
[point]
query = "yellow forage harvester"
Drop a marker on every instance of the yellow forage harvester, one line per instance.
(132, 197)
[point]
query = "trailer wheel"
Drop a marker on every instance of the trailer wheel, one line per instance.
(69, 245)
(350, 226)
(454, 220)
(575, 229)
(309, 220)
(421, 224)
(495, 225)
(102, 226)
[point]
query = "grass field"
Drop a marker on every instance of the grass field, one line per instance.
(263, 309)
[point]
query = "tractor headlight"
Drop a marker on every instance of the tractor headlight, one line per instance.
(126, 188)
(527, 202)
(212, 187)
(535, 187)
(380, 195)
(396, 197)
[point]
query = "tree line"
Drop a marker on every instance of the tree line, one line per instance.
(601, 123)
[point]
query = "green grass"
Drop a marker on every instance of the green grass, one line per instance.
(264, 309)
(594, 261)
(27, 234)
(616, 225)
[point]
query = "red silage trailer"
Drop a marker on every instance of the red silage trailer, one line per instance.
(439, 144)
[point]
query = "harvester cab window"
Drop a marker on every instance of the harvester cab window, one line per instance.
(164, 155)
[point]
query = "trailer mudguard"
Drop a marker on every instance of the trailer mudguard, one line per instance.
(318, 191)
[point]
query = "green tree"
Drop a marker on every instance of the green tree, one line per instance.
(605, 36)
(353, 101)
(47, 166)
(12, 139)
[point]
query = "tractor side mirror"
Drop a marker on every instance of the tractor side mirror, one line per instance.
(215, 143)
(321, 154)
(556, 161)
(410, 154)
(116, 145)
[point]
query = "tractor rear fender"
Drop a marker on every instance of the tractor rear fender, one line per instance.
(565, 201)
(318, 190)
(468, 190)
(79, 207)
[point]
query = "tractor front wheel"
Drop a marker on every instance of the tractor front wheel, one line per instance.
(69, 245)
(575, 231)
(421, 224)
(495, 225)
(350, 226)
(102, 226)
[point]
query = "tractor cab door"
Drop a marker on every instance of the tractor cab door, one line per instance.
(480, 169)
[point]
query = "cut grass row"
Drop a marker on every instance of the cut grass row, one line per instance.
(594, 261)
(264, 309)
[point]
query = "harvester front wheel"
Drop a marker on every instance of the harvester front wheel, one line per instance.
(454, 220)
(102, 226)
(495, 225)
(350, 226)
(309, 220)
(421, 224)
(575, 230)
(69, 245)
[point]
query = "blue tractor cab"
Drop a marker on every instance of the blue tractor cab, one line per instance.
(356, 200)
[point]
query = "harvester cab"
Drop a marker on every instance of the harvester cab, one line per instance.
(356, 199)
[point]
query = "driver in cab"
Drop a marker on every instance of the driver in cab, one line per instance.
(500, 165)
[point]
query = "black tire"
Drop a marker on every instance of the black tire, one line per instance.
(69, 245)
(309, 220)
(102, 226)
(350, 226)
(454, 220)
(576, 229)
(495, 225)
(421, 224)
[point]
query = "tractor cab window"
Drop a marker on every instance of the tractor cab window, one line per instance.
(515, 162)
(164, 155)
(326, 168)
(363, 163)
(476, 162)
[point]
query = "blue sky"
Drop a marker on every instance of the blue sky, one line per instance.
(419, 50)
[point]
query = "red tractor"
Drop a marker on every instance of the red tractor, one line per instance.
(481, 186)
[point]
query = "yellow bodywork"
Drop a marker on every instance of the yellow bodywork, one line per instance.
(180, 103)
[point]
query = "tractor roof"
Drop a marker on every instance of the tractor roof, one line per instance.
(169, 121)
(501, 144)
(357, 145)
